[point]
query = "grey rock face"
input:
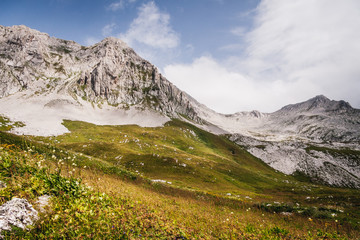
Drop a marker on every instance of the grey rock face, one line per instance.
(320, 119)
(26, 55)
(332, 165)
(319, 138)
(17, 212)
(107, 72)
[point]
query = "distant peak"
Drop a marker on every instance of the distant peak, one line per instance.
(111, 39)
(23, 28)
(114, 40)
(321, 98)
(317, 103)
(20, 27)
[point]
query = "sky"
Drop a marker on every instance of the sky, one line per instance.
(231, 55)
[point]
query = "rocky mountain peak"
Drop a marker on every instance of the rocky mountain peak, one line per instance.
(328, 105)
(107, 72)
(21, 36)
(319, 98)
(319, 103)
(113, 41)
(20, 30)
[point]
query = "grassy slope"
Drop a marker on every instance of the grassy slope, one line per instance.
(119, 161)
(178, 153)
(6, 124)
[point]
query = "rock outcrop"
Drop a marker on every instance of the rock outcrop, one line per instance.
(322, 163)
(17, 212)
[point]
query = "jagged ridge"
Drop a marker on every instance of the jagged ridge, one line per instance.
(109, 71)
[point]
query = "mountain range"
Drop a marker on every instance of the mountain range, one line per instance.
(44, 80)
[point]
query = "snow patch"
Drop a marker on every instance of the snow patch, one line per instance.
(43, 116)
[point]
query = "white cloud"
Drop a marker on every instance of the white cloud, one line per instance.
(296, 50)
(307, 40)
(119, 4)
(207, 81)
(108, 29)
(151, 28)
(226, 91)
(238, 31)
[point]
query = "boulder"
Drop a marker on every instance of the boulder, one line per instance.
(17, 212)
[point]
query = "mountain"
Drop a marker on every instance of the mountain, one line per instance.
(318, 119)
(318, 138)
(89, 83)
(44, 80)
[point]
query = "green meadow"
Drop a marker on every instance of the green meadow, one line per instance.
(170, 182)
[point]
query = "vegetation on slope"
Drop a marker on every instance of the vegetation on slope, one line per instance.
(178, 154)
(6, 124)
(106, 189)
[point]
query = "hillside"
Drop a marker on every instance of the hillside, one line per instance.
(142, 199)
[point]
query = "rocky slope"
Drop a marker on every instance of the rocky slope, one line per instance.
(107, 83)
(44, 80)
(107, 73)
(318, 119)
(326, 163)
(318, 138)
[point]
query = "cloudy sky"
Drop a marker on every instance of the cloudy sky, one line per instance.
(231, 55)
